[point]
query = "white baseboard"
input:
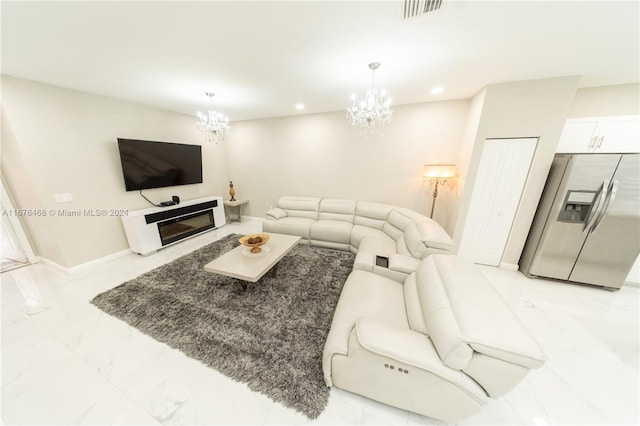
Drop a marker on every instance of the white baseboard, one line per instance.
(509, 266)
(252, 218)
(52, 264)
(87, 265)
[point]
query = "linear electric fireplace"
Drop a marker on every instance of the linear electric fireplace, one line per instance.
(185, 226)
(149, 230)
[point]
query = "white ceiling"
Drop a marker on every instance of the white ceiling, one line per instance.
(261, 58)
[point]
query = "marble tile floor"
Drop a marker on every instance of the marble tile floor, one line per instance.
(66, 362)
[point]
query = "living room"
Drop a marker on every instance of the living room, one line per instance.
(59, 139)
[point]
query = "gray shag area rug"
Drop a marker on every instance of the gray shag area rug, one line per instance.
(270, 337)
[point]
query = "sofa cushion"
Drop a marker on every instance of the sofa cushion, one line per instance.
(384, 300)
(337, 210)
(379, 246)
(372, 215)
(299, 226)
(401, 247)
(335, 231)
(306, 207)
(359, 232)
(397, 222)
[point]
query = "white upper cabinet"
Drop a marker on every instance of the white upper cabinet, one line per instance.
(601, 134)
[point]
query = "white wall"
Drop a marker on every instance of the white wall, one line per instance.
(320, 155)
(464, 160)
(622, 99)
(56, 140)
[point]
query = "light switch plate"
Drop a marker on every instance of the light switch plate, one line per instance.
(63, 198)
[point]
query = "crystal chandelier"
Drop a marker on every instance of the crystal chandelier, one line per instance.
(373, 112)
(214, 125)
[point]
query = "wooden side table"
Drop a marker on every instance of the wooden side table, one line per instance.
(238, 206)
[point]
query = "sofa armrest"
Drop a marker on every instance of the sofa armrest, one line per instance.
(426, 237)
(276, 213)
(519, 356)
(403, 345)
(403, 263)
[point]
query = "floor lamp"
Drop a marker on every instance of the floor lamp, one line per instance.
(438, 175)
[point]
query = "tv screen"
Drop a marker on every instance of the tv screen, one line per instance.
(148, 164)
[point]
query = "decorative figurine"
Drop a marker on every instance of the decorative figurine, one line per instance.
(232, 191)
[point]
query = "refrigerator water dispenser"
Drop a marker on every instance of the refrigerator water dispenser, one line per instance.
(576, 206)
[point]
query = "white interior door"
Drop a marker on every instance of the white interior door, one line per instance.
(504, 166)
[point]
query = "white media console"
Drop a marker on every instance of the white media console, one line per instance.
(151, 229)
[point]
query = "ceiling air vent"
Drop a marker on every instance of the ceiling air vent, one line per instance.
(420, 7)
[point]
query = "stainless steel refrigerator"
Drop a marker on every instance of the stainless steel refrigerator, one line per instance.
(587, 226)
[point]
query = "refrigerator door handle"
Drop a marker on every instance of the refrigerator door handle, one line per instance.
(594, 213)
(612, 197)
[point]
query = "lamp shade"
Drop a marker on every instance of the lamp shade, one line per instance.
(432, 171)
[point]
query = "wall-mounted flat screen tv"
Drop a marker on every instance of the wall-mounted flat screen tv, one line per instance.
(149, 164)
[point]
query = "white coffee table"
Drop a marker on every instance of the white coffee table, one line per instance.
(239, 263)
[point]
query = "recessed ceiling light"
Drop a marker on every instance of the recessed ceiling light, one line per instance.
(437, 90)
(299, 106)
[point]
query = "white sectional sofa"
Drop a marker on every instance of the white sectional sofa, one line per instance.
(400, 235)
(415, 327)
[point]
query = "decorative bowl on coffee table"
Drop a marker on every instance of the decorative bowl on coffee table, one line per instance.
(254, 241)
